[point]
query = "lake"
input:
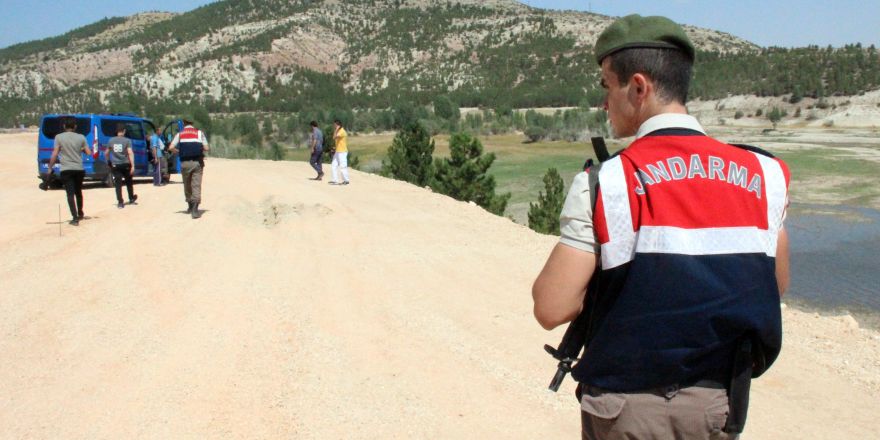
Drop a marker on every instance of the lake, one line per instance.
(835, 260)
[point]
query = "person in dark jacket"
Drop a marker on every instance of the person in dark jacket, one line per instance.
(191, 145)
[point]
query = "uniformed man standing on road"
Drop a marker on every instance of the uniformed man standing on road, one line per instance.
(685, 248)
(191, 146)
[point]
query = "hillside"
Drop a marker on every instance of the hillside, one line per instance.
(284, 56)
(281, 55)
(296, 309)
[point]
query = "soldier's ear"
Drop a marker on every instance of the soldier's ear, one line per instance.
(640, 85)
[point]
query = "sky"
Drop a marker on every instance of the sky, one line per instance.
(786, 23)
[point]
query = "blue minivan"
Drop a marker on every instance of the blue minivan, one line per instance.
(98, 129)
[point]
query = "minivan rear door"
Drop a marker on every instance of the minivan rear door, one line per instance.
(134, 130)
(51, 126)
(172, 129)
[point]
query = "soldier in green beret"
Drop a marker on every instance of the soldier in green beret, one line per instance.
(681, 254)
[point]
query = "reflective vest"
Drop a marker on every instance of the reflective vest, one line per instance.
(688, 228)
(190, 144)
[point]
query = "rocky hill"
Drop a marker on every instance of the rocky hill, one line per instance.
(234, 52)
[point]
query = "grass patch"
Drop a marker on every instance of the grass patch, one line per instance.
(819, 174)
(823, 173)
(827, 162)
(367, 148)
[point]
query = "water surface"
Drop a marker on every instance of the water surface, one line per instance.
(835, 259)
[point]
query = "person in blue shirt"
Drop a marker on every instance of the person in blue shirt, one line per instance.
(160, 164)
(316, 143)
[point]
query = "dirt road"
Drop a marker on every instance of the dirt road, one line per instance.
(296, 309)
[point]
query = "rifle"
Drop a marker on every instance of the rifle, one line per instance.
(572, 343)
(578, 332)
(600, 149)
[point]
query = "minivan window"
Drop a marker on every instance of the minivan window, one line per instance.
(52, 126)
(133, 129)
(169, 132)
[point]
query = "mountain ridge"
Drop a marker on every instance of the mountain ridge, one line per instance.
(245, 49)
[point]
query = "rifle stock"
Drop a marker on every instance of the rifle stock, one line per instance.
(569, 348)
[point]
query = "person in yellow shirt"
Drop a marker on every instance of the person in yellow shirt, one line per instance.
(340, 156)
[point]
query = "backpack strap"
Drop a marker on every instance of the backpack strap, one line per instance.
(592, 170)
(754, 149)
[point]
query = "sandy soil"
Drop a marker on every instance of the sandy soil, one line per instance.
(295, 309)
(848, 112)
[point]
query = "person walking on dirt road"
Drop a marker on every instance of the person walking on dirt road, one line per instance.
(122, 165)
(191, 145)
(316, 143)
(68, 149)
(340, 154)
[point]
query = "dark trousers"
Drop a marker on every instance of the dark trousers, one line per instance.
(121, 172)
(315, 161)
(157, 173)
(73, 186)
(163, 164)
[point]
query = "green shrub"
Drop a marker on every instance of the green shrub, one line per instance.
(544, 215)
(409, 157)
(464, 175)
(535, 133)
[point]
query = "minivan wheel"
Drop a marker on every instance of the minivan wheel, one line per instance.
(108, 181)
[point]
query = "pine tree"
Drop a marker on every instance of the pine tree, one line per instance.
(775, 116)
(544, 215)
(268, 128)
(276, 151)
(464, 175)
(409, 157)
(246, 126)
(444, 108)
(404, 115)
(535, 133)
(201, 117)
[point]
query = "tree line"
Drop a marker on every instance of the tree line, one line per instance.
(802, 72)
(793, 73)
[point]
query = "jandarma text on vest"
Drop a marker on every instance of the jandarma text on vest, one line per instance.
(677, 168)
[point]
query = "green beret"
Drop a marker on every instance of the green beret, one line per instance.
(635, 31)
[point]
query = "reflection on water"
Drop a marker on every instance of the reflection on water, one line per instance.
(835, 258)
